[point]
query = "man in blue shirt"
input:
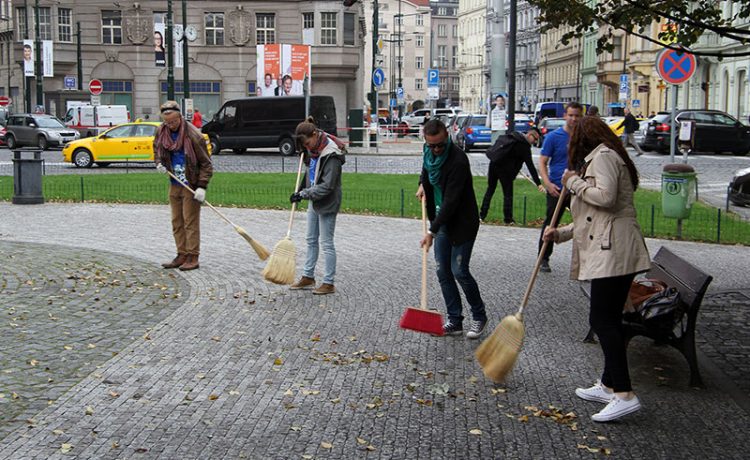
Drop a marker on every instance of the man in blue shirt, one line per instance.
(552, 165)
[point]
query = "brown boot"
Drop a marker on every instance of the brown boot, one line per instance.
(176, 262)
(324, 289)
(191, 263)
(304, 283)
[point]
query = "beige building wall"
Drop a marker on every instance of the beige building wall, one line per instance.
(472, 54)
(559, 67)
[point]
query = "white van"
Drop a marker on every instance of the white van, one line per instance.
(91, 120)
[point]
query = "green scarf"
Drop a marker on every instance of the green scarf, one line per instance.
(432, 163)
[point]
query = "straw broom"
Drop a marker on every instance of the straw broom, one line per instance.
(498, 353)
(281, 266)
(421, 319)
(257, 247)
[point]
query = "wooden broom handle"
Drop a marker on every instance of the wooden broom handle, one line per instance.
(204, 201)
(296, 189)
(425, 250)
(539, 258)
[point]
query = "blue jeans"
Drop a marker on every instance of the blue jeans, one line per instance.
(320, 226)
(453, 265)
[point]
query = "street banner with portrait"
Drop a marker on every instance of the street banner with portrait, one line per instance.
(160, 48)
(281, 69)
(28, 58)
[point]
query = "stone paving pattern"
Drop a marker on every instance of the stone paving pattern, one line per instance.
(244, 369)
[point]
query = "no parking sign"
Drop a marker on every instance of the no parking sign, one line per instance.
(675, 67)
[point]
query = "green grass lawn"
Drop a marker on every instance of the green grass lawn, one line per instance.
(378, 194)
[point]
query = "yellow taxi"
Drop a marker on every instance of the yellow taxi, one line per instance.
(615, 122)
(131, 142)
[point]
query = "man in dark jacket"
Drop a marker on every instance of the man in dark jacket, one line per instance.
(446, 184)
(507, 156)
(630, 125)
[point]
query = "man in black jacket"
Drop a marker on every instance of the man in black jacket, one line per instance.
(630, 125)
(446, 184)
(507, 156)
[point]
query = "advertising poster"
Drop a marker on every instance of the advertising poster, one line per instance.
(28, 58)
(48, 59)
(281, 69)
(160, 46)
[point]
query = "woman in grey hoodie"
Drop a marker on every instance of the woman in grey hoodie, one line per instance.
(324, 156)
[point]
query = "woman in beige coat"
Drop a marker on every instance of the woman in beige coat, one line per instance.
(608, 249)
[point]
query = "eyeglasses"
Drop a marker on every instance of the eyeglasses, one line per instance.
(436, 146)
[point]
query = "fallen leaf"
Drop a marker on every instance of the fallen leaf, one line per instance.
(361, 441)
(67, 347)
(307, 457)
(65, 448)
(33, 362)
(473, 379)
(278, 362)
(234, 392)
(310, 392)
(115, 445)
(213, 397)
(114, 394)
(326, 445)
(498, 390)
(91, 345)
(315, 338)
(336, 401)
(58, 432)
(289, 393)
(295, 428)
(370, 447)
(476, 431)
(89, 410)
(216, 338)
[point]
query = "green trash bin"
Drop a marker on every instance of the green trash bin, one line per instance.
(679, 190)
(355, 122)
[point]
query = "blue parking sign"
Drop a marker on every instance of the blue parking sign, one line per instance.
(433, 77)
(70, 82)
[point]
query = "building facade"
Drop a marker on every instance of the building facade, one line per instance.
(117, 46)
(527, 57)
(473, 55)
(559, 67)
(444, 51)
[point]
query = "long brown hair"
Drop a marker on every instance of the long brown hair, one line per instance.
(588, 134)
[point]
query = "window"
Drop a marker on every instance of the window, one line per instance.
(64, 25)
(455, 83)
(398, 20)
(111, 27)
(45, 23)
(617, 50)
(214, 26)
(265, 28)
(454, 57)
(20, 16)
(418, 83)
(455, 30)
(419, 40)
(327, 28)
(349, 21)
(442, 59)
(441, 30)
(419, 62)
(308, 28)
(419, 20)
(442, 11)
(308, 20)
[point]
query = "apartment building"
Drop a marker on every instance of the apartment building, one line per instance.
(473, 55)
(559, 67)
(444, 50)
(117, 47)
(527, 56)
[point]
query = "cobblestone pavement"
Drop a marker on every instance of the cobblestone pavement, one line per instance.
(244, 369)
(714, 171)
(67, 311)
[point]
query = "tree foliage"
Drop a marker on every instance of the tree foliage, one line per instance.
(686, 21)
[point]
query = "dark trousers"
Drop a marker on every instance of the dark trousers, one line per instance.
(506, 179)
(605, 317)
(551, 204)
(453, 265)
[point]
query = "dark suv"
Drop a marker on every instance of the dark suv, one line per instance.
(715, 131)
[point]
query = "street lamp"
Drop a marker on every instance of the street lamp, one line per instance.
(401, 17)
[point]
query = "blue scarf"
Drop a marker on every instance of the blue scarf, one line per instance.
(432, 163)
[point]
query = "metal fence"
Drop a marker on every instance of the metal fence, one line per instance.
(705, 223)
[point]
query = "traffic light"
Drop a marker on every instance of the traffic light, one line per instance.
(348, 3)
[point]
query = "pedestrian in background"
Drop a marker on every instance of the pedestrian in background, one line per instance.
(181, 149)
(552, 164)
(322, 187)
(197, 118)
(593, 111)
(446, 183)
(507, 156)
(608, 249)
(630, 125)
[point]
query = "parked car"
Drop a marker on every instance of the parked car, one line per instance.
(253, 122)
(522, 123)
(40, 130)
(417, 118)
(641, 134)
(739, 188)
(131, 142)
(548, 125)
(552, 110)
(474, 133)
(715, 131)
(456, 124)
(90, 120)
(2, 135)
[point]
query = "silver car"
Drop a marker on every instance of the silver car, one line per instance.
(39, 130)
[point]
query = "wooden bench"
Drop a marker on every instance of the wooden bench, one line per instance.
(679, 332)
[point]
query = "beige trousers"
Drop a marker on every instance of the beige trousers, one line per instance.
(186, 214)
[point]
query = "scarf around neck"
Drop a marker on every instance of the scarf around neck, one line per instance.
(432, 163)
(182, 142)
(317, 149)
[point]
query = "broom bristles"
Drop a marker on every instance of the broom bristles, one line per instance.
(281, 266)
(417, 319)
(257, 247)
(498, 353)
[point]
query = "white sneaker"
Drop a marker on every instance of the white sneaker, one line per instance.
(596, 393)
(476, 329)
(616, 409)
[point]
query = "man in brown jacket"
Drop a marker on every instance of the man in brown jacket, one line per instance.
(180, 149)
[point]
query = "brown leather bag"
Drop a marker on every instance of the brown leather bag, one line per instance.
(641, 290)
